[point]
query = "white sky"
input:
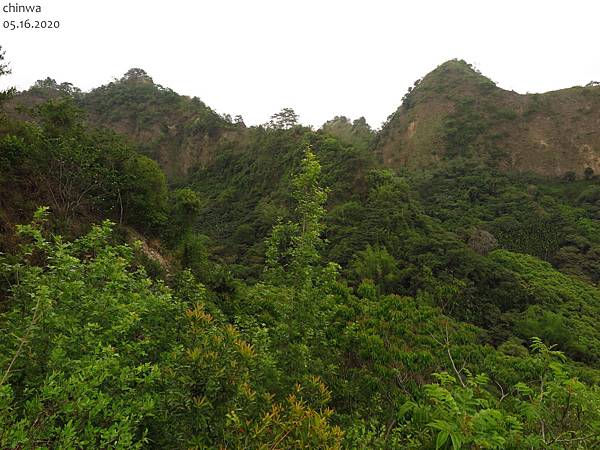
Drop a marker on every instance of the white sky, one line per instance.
(322, 58)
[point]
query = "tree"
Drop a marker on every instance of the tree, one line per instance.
(357, 133)
(144, 193)
(376, 264)
(51, 84)
(79, 362)
(552, 410)
(70, 161)
(283, 120)
(136, 75)
(96, 355)
(185, 207)
(294, 248)
(239, 120)
(4, 70)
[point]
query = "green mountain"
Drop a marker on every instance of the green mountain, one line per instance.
(452, 112)
(170, 278)
(455, 111)
(178, 132)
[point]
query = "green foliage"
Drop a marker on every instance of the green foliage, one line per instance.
(376, 264)
(283, 313)
(51, 85)
(463, 128)
(216, 370)
(4, 70)
(357, 133)
(145, 193)
(81, 343)
(252, 187)
(553, 297)
(136, 99)
(577, 422)
(469, 128)
(461, 413)
(77, 170)
(96, 355)
(186, 205)
(550, 220)
(297, 257)
(283, 120)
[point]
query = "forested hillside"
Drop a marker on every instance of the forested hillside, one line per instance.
(178, 132)
(171, 278)
(455, 111)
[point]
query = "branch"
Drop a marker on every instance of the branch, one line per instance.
(23, 340)
(452, 359)
(504, 395)
(446, 344)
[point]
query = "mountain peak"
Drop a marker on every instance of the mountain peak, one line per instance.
(455, 111)
(136, 75)
(456, 74)
(457, 65)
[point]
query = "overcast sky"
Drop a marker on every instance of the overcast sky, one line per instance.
(323, 58)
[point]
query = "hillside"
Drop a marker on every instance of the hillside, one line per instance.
(179, 280)
(455, 111)
(177, 131)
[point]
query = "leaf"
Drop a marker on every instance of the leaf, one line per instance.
(456, 441)
(442, 437)
(440, 425)
(405, 408)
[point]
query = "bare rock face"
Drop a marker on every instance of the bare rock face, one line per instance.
(455, 111)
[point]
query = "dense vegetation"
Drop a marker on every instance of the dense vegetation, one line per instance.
(456, 112)
(292, 293)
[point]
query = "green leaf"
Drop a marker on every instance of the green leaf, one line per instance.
(456, 441)
(442, 437)
(405, 408)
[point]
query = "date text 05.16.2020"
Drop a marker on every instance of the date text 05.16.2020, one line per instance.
(30, 24)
